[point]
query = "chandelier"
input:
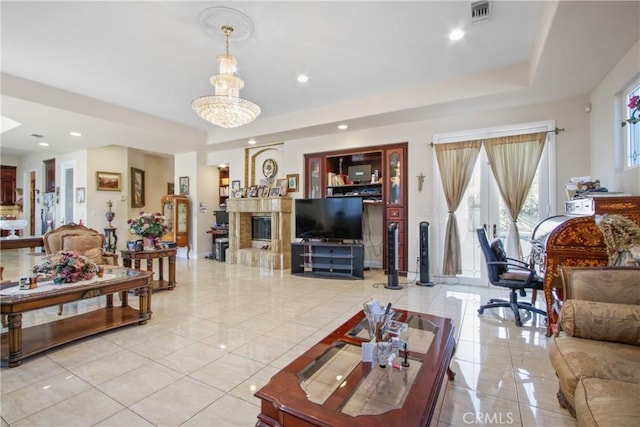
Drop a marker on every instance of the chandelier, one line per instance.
(226, 109)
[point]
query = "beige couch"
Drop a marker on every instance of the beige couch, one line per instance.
(596, 350)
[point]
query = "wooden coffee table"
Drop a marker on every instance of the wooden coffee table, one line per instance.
(19, 343)
(329, 385)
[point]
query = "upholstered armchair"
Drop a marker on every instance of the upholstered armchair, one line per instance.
(81, 239)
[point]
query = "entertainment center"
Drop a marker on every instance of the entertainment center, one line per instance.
(376, 175)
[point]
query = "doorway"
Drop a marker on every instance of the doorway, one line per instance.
(482, 205)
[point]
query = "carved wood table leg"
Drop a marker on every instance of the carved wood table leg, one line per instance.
(160, 269)
(15, 339)
(450, 374)
(144, 304)
(172, 271)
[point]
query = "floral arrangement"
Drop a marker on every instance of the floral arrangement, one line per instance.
(634, 105)
(66, 267)
(148, 225)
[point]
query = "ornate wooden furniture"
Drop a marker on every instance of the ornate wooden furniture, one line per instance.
(21, 242)
(19, 343)
(329, 385)
(175, 208)
(149, 256)
(576, 241)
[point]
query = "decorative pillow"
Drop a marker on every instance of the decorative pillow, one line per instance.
(82, 243)
(501, 255)
(601, 321)
(95, 255)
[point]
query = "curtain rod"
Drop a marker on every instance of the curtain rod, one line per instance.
(556, 131)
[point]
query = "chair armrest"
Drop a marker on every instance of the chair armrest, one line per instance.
(520, 263)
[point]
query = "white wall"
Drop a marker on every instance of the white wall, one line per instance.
(607, 149)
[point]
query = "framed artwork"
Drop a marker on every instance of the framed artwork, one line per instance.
(137, 188)
(292, 182)
(171, 188)
(274, 191)
(253, 191)
(235, 185)
(184, 185)
(261, 191)
(283, 183)
(80, 195)
(244, 192)
(108, 181)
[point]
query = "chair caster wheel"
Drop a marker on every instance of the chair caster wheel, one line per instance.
(518, 323)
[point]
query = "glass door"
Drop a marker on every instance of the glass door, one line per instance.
(483, 207)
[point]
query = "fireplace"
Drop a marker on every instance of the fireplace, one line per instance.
(261, 228)
(260, 232)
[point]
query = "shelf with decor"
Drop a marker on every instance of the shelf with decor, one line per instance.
(224, 186)
(369, 192)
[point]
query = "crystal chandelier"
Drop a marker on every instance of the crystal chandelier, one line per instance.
(226, 109)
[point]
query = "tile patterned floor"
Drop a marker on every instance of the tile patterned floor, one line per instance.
(225, 330)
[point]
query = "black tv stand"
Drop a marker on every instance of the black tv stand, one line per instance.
(337, 260)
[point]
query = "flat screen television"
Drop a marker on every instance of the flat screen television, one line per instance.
(335, 218)
(221, 217)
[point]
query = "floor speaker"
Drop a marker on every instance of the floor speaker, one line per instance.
(423, 261)
(392, 257)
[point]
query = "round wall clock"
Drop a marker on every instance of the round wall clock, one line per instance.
(269, 168)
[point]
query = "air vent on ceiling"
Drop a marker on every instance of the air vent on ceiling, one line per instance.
(36, 135)
(480, 10)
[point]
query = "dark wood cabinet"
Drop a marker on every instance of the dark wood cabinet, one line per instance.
(49, 175)
(8, 185)
(378, 174)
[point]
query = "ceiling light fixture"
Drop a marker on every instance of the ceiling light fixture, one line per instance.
(226, 109)
(252, 142)
(303, 78)
(343, 127)
(75, 134)
(43, 144)
(456, 34)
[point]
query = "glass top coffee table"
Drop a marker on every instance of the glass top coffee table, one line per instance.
(331, 385)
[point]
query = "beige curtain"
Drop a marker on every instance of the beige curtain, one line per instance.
(456, 162)
(514, 160)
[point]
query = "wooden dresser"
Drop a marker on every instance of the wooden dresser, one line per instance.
(576, 241)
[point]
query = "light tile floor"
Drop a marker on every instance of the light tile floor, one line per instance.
(225, 330)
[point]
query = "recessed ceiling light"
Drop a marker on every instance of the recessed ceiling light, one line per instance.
(343, 127)
(43, 144)
(303, 78)
(223, 165)
(456, 34)
(251, 141)
(75, 134)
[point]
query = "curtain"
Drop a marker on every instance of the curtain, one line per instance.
(513, 161)
(456, 162)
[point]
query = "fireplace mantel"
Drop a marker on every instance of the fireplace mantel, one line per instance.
(252, 253)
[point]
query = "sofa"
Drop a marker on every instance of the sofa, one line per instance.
(595, 349)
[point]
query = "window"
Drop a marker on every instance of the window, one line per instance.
(631, 133)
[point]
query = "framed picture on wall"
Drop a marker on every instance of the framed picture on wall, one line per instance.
(170, 188)
(108, 181)
(292, 182)
(184, 185)
(137, 188)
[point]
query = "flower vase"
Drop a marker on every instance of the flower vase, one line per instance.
(150, 243)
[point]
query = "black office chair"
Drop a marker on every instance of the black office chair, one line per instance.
(518, 279)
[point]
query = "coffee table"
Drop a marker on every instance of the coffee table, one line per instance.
(18, 343)
(329, 385)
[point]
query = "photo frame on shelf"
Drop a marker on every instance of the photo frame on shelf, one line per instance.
(80, 195)
(108, 181)
(184, 185)
(244, 192)
(283, 184)
(274, 191)
(137, 188)
(292, 182)
(235, 185)
(260, 191)
(253, 191)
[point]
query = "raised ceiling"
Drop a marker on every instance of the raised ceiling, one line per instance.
(126, 72)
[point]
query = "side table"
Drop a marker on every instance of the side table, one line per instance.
(149, 255)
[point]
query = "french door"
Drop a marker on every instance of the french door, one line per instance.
(483, 207)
